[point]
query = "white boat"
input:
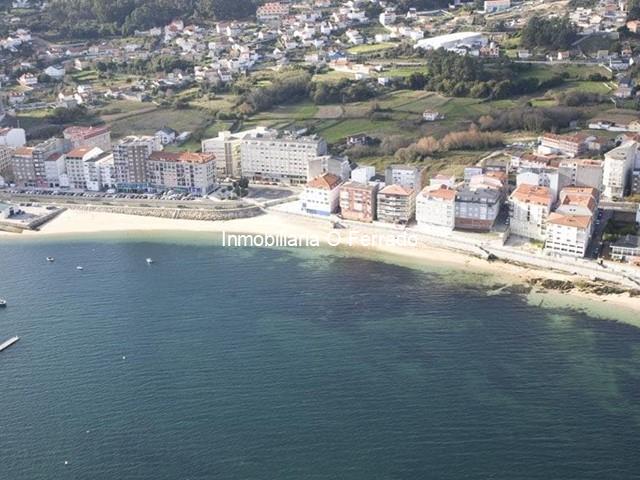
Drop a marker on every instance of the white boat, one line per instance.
(8, 343)
(149, 260)
(79, 268)
(3, 303)
(51, 259)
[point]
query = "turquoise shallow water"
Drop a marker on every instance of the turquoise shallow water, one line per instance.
(260, 364)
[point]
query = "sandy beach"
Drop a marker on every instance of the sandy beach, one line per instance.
(356, 239)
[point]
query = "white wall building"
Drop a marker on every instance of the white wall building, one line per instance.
(436, 206)
(529, 208)
(13, 137)
(280, 158)
(321, 195)
(452, 41)
(618, 164)
(363, 174)
(75, 168)
(185, 171)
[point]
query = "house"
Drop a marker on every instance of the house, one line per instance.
(272, 12)
(529, 208)
(436, 205)
(626, 249)
(633, 26)
(321, 195)
(442, 180)
(358, 201)
(359, 139)
(431, 116)
(494, 6)
(354, 37)
(55, 72)
(28, 80)
(166, 135)
(625, 88)
(396, 204)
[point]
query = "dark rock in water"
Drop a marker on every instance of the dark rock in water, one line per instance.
(551, 284)
(518, 289)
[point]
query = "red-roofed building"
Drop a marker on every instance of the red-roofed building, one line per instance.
(189, 172)
(529, 208)
(570, 227)
(436, 205)
(79, 136)
(396, 204)
(321, 195)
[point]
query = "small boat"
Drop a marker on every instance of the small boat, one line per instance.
(3, 303)
(6, 344)
(51, 259)
(79, 268)
(149, 261)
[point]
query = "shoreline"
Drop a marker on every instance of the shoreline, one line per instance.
(77, 222)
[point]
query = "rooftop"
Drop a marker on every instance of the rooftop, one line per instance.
(182, 157)
(532, 194)
(326, 181)
(576, 221)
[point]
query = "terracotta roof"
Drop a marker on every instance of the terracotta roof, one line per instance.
(182, 157)
(326, 181)
(532, 194)
(79, 152)
(357, 186)
(86, 132)
(397, 190)
(23, 151)
(441, 191)
(577, 138)
(576, 221)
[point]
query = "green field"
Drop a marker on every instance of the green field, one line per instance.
(370, 48)
(149, 123)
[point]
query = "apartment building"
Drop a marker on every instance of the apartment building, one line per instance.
(436, 205)
(5, 161)
(130, 156)
(477, 209)
(551, 178)
(277, 158)
(75, 165)
(99, 172)
(618, 165)
(194, 173)
(410, 176)
(626, 249)
(358, 201)
(23, 168)
(529, 208)
(80, 136)
(12, 137)
(41, 153)
(583, 172)
(55, 171)
(569, 145)
(321, 195)
(396, 204)
(570, 227)
(363, 174)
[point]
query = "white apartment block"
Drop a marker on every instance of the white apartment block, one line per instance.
(436, 206)
(99, 173)
(321, 195)
(529, 209)
(543, 177)
(583, 172)
(281, 159)
(570, 227)
(55, 171)
(75, 165)
(186, 171)
(363, 174)
(618, 164)
(12, 137)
